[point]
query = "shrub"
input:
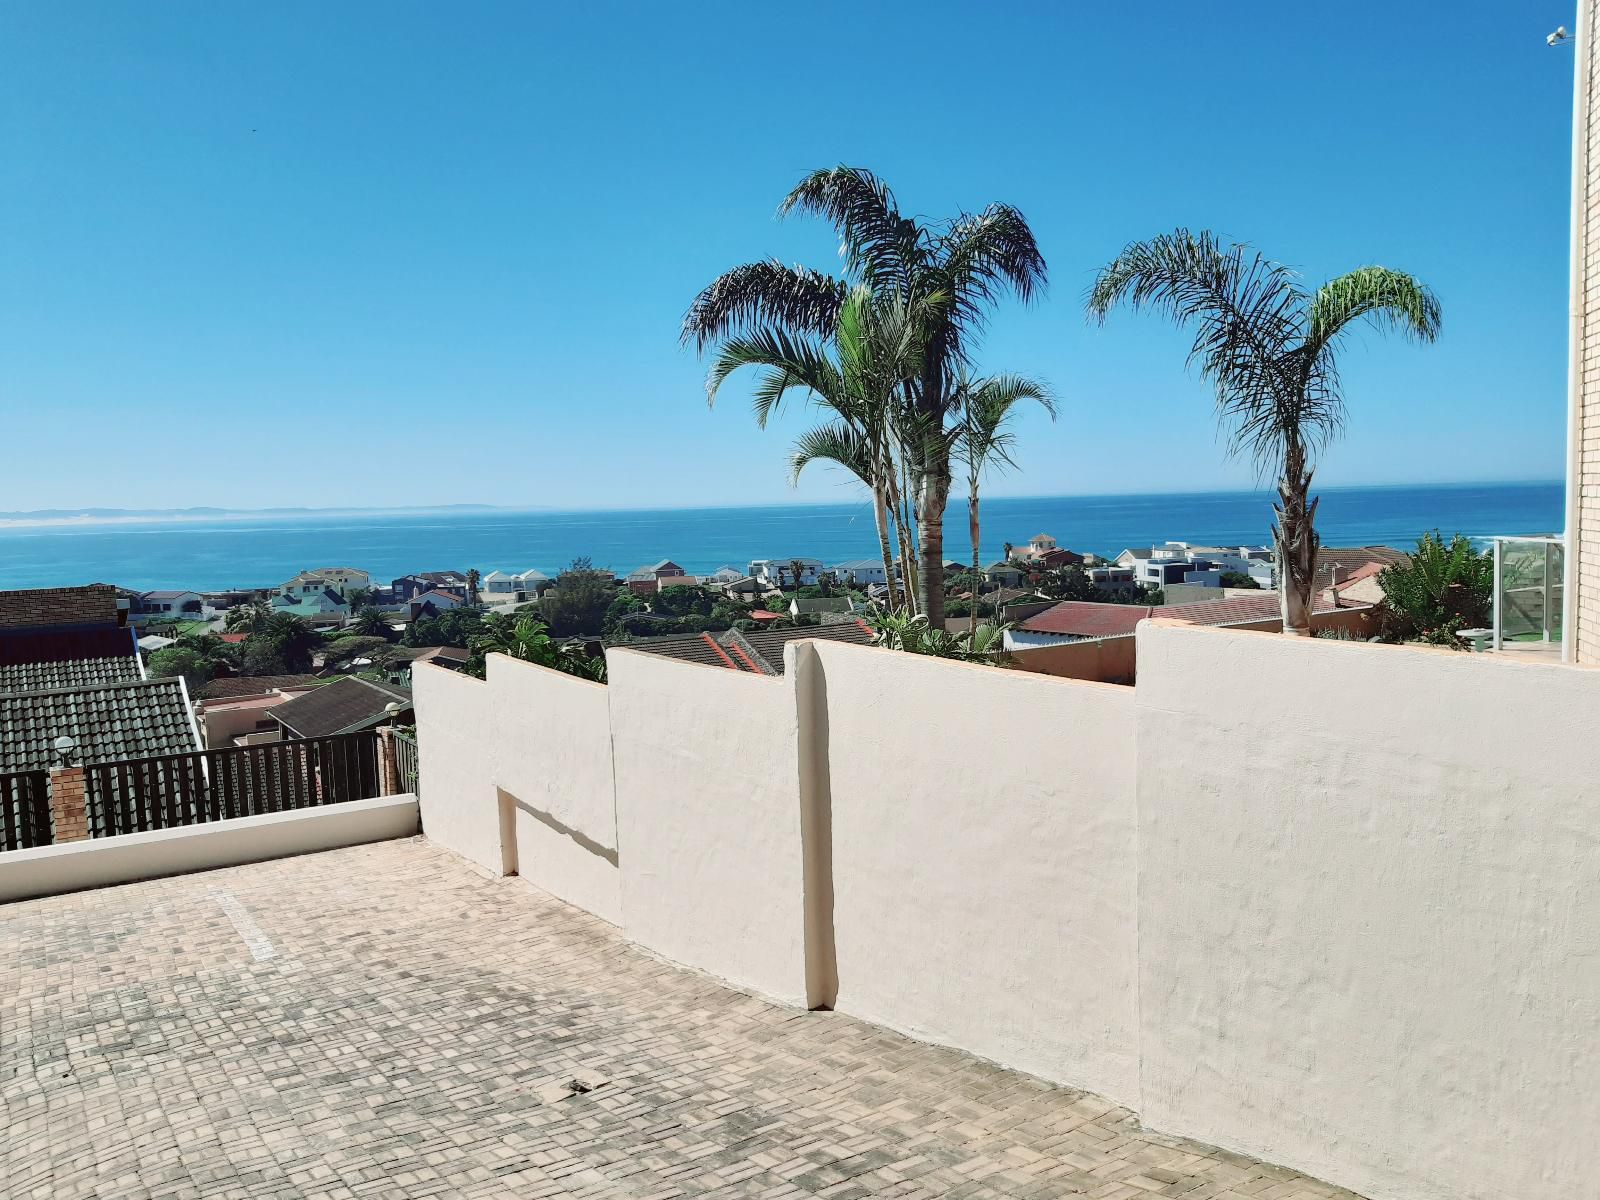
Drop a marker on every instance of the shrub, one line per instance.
(1438, 591)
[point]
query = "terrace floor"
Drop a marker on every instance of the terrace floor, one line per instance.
(384, 1021)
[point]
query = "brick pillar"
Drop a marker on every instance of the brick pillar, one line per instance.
(69, 819)
(388, 773)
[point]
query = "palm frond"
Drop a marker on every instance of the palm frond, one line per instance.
(1391, 299)
(797, 299)
(837, 442)
(1249, 318)
(876, 242)
(793, 361)
(981, 256)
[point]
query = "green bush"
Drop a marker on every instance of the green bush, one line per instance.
(1438, 591)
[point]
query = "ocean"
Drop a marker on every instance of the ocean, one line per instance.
(258, 552)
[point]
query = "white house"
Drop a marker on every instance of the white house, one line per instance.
(504, 583)
(779, 572)
(1039, 545)
(864, 571)
(724, 575)
(177, 605)
(432, 603)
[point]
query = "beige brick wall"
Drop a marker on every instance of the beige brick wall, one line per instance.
(1586, 535)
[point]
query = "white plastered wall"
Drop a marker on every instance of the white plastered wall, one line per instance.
(983, 861)
(516, 775)
(1369, 911)
(708, 819)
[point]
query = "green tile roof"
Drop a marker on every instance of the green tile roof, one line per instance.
(110, 722)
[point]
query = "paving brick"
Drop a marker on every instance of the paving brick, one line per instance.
(414, 1033)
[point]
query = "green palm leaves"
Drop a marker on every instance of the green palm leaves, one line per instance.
(1269, 351)
(891, 339)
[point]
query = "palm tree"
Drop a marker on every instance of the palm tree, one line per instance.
(472, 587)
(986, 406)
(856, 377)
(1268, 348)
(369, 622)
(248, 617)
(529, 640)
(948, 274)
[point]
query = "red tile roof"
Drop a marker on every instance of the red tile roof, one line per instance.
(1087, 618)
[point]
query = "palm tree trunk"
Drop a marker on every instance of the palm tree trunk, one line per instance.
(880, 513)
(902, 526)
(972, 530)
(1295, 538)
(932, 497)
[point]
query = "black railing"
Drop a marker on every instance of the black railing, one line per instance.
(24, 810)
(405, 760)
(243, 781)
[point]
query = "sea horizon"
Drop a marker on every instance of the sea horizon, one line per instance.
(208, 549)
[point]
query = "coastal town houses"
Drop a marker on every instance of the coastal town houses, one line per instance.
(339, 580)
(433, 602)
(316, 606)
(785, 573)
(452, 583)
(861, 572)
(501, 585)
(758, 652)
(647, 580)
(167, 605)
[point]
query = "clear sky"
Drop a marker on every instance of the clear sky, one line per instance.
(398, 253)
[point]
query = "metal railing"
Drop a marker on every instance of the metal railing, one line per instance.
(25, 810)
(405, 760)
(212, 785)
(1528, 574)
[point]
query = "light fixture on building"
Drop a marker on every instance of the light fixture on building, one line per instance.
(65, 749)
(1558, 37)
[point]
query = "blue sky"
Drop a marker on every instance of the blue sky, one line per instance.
(418, 253)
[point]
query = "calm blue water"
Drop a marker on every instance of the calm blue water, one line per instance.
(258, 552)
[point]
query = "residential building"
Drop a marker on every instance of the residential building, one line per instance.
(723, 576)
(1114, 581)
(342, 580)
(176, 605)
(409, 586)
(432, 603)
(1004, 574)
(1076, 620)
(319, 606)
(1039, 545)
(105, 722)
(504, 584)
(236, 711)
(61, 625)
(780, 572)
(820, 605)
(861, 571)
(347, 705)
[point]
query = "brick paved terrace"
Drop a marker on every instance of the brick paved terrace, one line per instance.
(384, 1021)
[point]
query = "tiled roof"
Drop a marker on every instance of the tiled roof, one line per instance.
(92, 605)
(1350, 559)
(110, 723)
(759, 652)
(769, 643)
(725, 650)
(453, 654)
(75, 672)
(1087, 619)
(341, 707)
(64, 643)
(253, 685)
